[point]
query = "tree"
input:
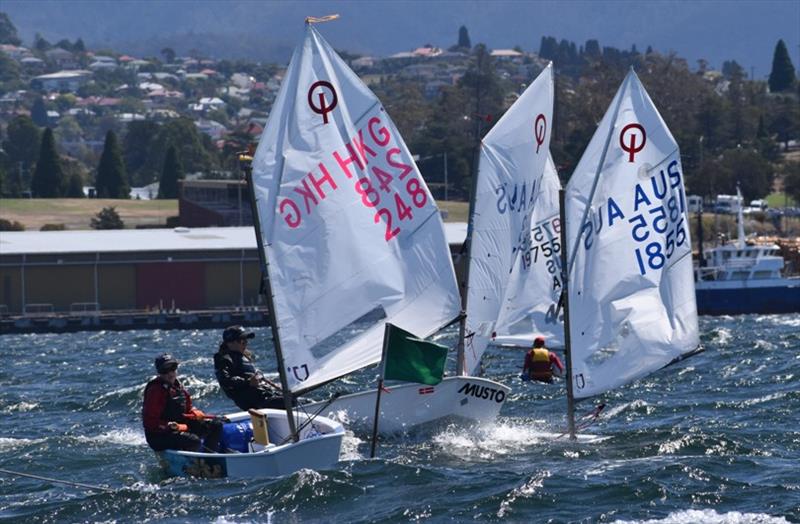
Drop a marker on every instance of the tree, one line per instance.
(791, 180)
(137, 145)
(9, 70)
(39, 113)
(48, 178)
(592, 49)
(75, 186)
(170, 174)
(40, 44)
(169, 54)
(8, 33)
(22, 140)
(107, 218)
(463, 38)
(112, 180)
(781, 78)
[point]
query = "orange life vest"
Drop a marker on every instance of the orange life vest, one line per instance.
(541, 369)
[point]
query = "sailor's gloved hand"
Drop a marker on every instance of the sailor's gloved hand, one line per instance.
(175, 426)
(197, 414)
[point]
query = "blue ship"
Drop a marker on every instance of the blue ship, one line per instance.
(745, 279)
(738, 278)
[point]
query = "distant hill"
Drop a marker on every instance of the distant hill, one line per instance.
(745, 31)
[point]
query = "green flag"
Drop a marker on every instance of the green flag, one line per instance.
(413, 360)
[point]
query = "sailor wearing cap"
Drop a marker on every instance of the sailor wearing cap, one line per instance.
(241, 381)
(170, 421)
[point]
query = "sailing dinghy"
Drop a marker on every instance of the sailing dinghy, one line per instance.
(353, 238)
(513, 156)
(630, 302)
(531, 306)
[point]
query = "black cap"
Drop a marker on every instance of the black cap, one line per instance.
(166, 363)
(233, 333)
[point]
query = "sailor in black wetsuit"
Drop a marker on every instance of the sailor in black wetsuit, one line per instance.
(237, 375)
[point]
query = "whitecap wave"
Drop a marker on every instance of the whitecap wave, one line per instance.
(103, 399)
(501, 439)
(350, 445)
(710, 516)
(20, 407)
(526, 490)
(633, 405)
(723, 336)
(121, 437)
(8, 444)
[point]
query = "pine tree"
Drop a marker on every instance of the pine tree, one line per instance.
(107, 218)
(112, 181)
(170, 174)
(39, 113)
(75, 187)
(781, 78)
(463, 38)
(48, 178)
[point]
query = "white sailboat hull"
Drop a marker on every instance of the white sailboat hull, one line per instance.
(471, 399)
(318, 448)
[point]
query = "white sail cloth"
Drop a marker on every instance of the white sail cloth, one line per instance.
(631, 294)
(512, 159)
(348, 225)
(534, 288)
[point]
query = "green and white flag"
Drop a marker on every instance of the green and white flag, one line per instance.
(411, 359)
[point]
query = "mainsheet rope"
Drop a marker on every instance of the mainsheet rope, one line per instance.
(57, 481)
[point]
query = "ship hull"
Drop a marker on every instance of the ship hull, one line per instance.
(742, 300)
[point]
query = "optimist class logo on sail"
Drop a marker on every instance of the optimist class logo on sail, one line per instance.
(369, 166)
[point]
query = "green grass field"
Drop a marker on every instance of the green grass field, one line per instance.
(76, 213)
(780, 200)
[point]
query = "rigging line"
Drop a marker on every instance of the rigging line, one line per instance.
(587, 418)
(49, 479)
(310, 418)
(612, 125)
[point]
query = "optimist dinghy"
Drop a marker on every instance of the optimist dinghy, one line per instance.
(272, 455)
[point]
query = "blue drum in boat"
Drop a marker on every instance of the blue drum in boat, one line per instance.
(236, 436)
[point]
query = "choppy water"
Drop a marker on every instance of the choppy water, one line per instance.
(713, 439)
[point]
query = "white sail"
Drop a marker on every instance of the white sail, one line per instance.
(348, 225)
(512, 158)
(631, 295)
(531, 303)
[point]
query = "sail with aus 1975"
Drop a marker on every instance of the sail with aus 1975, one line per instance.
(631, 288)
(349, 227)
(513, 156)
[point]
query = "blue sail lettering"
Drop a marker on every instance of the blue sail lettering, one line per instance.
(641, 198)
(674, 176)
(659, 194)
(613, 212)
(500, 191)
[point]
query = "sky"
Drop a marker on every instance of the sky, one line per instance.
(744, 30)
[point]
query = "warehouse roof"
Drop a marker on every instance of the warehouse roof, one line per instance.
(127, 240)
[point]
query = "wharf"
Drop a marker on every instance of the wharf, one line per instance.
(129, 320)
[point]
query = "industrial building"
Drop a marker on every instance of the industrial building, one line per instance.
(135, 269)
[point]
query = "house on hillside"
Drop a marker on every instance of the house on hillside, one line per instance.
(62, 80)
(61, 57)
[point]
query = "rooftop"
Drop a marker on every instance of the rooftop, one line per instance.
(126, 240)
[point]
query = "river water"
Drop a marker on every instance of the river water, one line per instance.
(713, 439)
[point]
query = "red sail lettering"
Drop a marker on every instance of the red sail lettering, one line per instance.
(308, 196)
(345, 163)
(358, 141)
(382, 132)
(317, 183)
(291, 217)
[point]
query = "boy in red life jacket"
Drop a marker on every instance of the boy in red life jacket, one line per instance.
(539, 363)
(170, 421)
